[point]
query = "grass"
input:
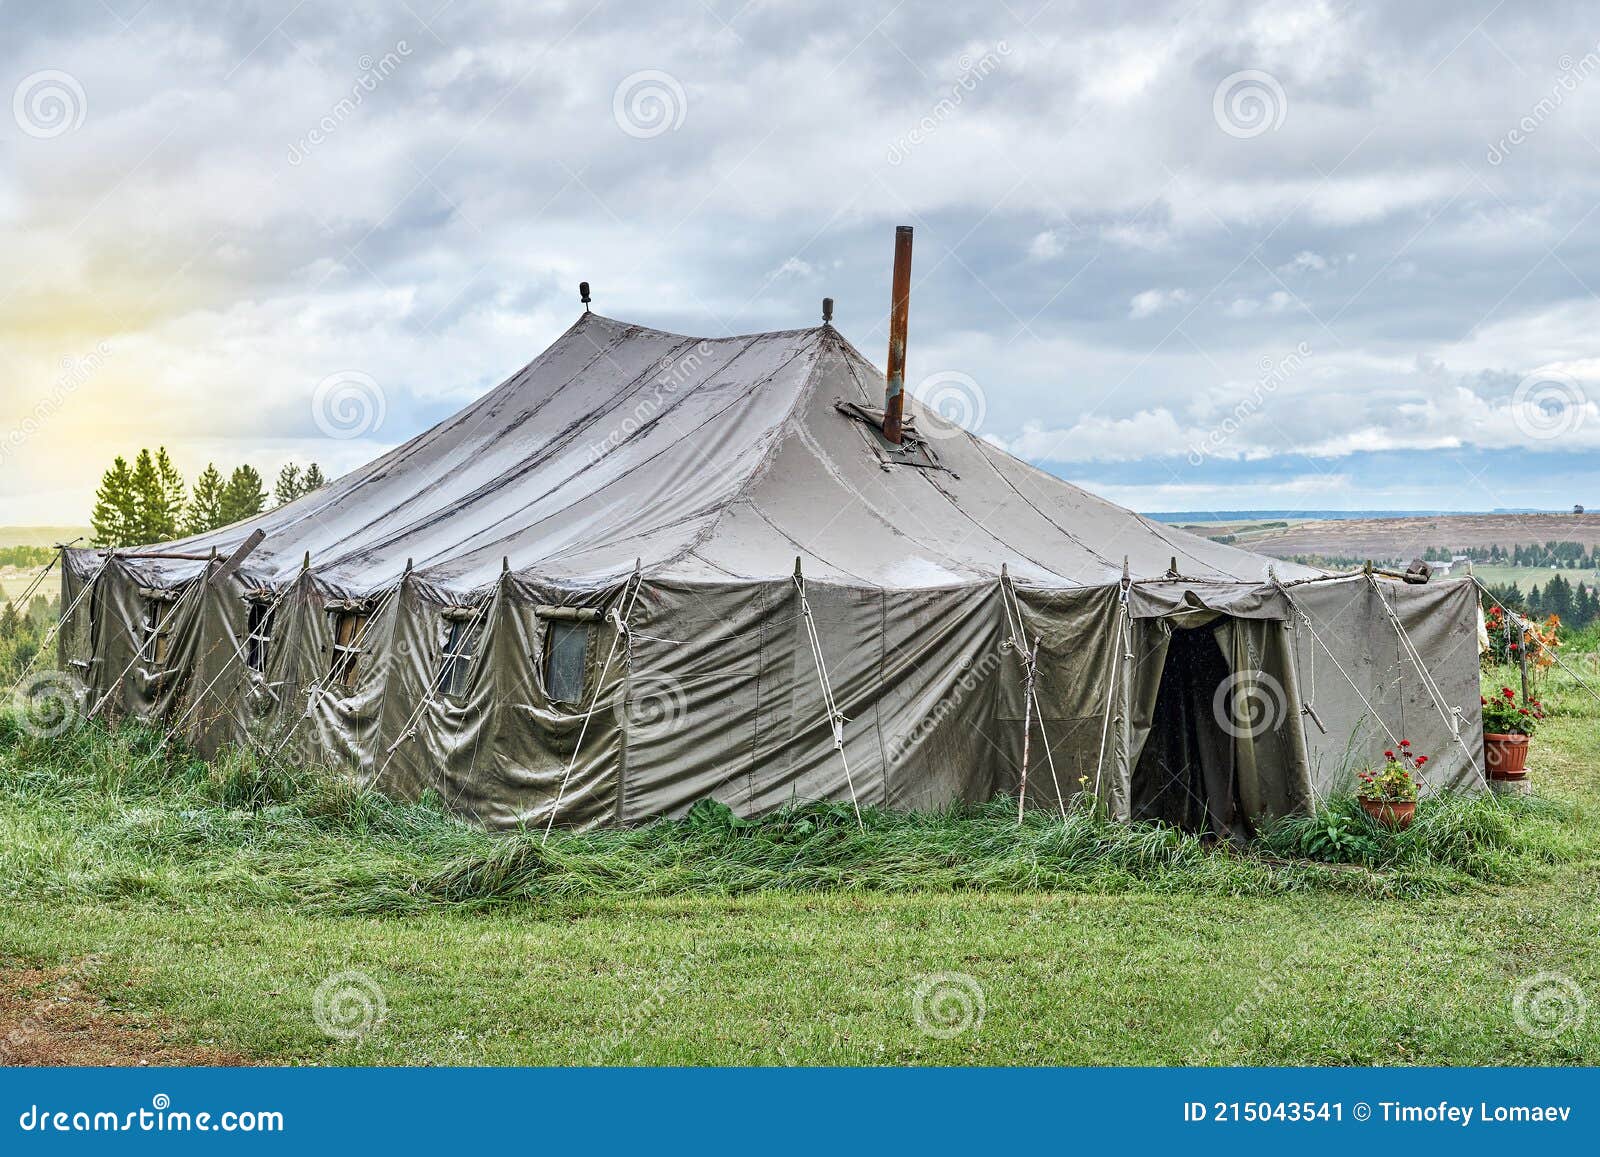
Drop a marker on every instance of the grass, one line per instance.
(218, 899)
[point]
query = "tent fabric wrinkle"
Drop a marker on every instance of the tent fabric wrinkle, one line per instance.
(575, 602)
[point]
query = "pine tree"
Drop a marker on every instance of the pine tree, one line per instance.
(164, 515)
(314, 480)
(116, 514)
(205, 504)
(1558, 597)
(157, 497)
(244, 496)
(290, 485)
(10, 622)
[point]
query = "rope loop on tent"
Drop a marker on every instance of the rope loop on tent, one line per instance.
(836, 717)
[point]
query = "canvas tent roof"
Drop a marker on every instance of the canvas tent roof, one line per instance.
(708, 461)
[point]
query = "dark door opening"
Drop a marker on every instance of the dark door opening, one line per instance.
(1185, 774)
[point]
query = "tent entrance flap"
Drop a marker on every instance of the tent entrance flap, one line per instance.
(1186, 775)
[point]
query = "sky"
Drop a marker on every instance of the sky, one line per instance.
(1190, 256)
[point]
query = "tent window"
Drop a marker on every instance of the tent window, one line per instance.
(349, 636)
(460, 648)
(259, 642)
(157, 632)
(566, 659)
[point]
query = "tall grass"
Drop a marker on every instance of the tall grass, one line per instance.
(107, 814)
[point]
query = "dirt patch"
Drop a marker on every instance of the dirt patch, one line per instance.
(49, 1017)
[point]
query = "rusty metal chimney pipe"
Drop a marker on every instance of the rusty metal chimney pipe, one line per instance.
(899, 316)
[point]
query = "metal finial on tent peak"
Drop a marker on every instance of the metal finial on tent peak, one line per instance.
(583, 295)
(305, 563)
(827, 311)
(1172, 567)
(796, 566)
(505, 564)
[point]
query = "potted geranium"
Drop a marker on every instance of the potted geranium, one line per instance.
(1389, 793)
(1508, 722)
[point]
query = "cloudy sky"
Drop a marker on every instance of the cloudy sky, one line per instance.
(1193, 256)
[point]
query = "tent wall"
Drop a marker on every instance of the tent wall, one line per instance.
(1354, 670)
(713, 690)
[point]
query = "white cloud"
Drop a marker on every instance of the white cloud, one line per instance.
(1046, 246)
(1150, 302)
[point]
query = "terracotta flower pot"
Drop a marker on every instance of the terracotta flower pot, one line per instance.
(1506, 755)
(1391, 813)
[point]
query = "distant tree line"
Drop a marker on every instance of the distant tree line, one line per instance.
(22, 635)
(26, 557)
(1576, 606)
(1567, 554)
(149, 501)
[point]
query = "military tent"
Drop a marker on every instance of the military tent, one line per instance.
(649, 568)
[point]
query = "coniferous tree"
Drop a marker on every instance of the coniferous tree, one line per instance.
(314, 479)
(205, 504)
(116, 514)
(10, 622)
(157, 498)
(164, 515)
(290, 485)
(244, 496)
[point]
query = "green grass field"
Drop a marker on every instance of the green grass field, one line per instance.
(215, 902)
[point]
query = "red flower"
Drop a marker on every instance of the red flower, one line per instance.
(1405, 743)
(1506, 691)
(1523, 710)
(1482, 700)
(1388, 755)
(1421, 759)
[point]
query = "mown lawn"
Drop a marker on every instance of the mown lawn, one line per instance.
(212, 905)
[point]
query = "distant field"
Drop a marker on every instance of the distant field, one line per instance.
(1394, 538)
(1526, 576)
(14, 582)
(40, 535)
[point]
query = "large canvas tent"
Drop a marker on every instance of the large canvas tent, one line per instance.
(649, 568)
